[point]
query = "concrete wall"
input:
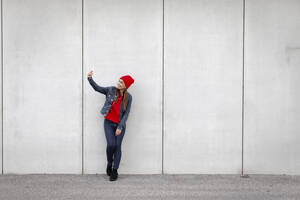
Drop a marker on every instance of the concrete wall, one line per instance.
(187, 62)
(272, 70)
(42, 86)
(203, 82)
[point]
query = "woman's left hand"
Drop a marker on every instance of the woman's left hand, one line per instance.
(118, 132)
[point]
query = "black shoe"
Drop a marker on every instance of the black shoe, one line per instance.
(108, 170)
(114, 175)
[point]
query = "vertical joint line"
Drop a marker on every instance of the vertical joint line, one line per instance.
(243, 90)
(2, 171)
(163, 60)
(82, 89)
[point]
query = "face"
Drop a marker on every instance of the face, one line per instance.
(121, 84)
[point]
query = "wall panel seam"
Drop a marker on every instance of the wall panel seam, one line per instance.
(82, 87)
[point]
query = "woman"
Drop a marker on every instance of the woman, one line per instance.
(115, 110)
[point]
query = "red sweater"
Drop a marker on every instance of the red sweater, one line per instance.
(114, 111)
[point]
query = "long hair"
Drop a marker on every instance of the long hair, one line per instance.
(124, 99)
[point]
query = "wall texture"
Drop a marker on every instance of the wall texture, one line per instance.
(272, 71)
(42, 86)
(203, 82)
(215, 85)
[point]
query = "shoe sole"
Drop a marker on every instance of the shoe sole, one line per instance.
(112, 179)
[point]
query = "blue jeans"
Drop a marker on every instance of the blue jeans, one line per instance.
(113, 148)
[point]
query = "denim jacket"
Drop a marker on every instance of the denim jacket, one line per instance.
(109, 93)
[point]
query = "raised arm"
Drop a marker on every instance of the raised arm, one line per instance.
(97, 87)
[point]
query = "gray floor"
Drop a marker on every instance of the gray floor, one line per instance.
(57, 186)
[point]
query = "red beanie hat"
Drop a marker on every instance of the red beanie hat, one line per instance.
(128, 80)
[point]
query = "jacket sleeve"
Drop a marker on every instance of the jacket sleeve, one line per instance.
(122, 122)
(97, 87)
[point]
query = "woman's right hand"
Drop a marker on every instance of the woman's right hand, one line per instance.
(90, 74)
